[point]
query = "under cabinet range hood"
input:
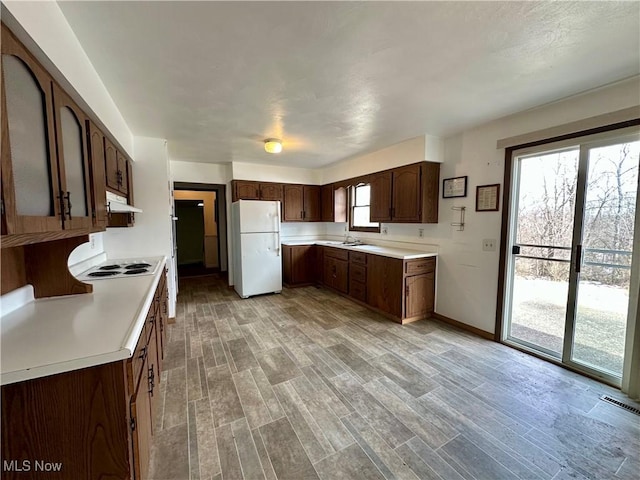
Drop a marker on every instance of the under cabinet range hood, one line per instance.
(118, 204)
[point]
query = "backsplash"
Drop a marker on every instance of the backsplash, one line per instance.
(301, 230)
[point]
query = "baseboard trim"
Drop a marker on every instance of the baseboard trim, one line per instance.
(463, 326)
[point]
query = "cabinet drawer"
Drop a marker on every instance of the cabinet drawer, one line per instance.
(358, 273)
(420, 265)
(336, 253)
(358, 257)
(358, 290)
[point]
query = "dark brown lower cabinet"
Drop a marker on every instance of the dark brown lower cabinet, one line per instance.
(336, 269)
(299, 265)
(405, 289)
(385, 284)
(95, 422)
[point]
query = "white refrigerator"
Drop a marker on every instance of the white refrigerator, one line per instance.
(257, 261)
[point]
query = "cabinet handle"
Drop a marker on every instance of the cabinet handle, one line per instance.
(152, 319)
(68, 200)
(393, 212)
(406, 291)
(152, 379)
(301, 214)
(390, 212)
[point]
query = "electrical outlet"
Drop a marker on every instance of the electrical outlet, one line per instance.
(384, 230)
(92, 241)
(421, 233)
(489, 245)
(346, 229)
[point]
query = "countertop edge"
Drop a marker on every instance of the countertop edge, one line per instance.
(355, 248)
(132, 336)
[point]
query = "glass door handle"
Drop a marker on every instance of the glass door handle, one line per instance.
(515, 250)
(578, 257)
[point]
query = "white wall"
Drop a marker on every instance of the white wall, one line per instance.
(151, 234)
(274, 173)
(211, 173)
(417, 149)
(49, 29)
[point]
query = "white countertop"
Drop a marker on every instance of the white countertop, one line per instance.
(393, 252)
(60, 334)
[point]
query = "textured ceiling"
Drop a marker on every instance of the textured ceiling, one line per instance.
(337, 79)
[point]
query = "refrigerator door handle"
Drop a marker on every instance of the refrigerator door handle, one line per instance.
(277, 219)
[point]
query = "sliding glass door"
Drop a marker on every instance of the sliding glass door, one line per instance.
(571, 243)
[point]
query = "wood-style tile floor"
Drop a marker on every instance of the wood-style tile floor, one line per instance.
(308, 385)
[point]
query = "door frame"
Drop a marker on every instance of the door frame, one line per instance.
(588, 136)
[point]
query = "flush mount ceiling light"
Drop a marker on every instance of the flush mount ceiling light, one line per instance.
(272, 145)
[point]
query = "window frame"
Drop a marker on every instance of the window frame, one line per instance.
(351, 199)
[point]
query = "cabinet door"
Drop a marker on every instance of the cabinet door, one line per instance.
(326, 197)
(419, 295)
(328, 271)
(293, 203)
(141, 433)
(406, 194)
(342, 276)
(340, 204)
(130, 182)
(287, 264)
(30, 177)
(247, 190)
(304, 264)
(384, 284)
(73, 161)
(98, 181)
(312, 209)
(152, 375)
(271, 191)
(123, 177)
(380, 197)
(111, 165)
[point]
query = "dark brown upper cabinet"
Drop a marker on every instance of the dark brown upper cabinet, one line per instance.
(31, 196)
(249, 190)
(270, 191)
(245, 190)
(73, 161)
(334, 203)
(380, 206)
(312, 211)
(293, 205)
(111, 165)
(405, 204)
(406, 194)
(301, 203)
(123, 174)
(116, 169)
(98, 181)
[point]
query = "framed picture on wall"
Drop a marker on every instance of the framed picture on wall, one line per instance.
(454, 187)
(487, 198)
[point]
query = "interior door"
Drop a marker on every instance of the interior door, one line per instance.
(572, 226)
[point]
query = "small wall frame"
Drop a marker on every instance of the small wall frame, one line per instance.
(454, 187)
(488, 198)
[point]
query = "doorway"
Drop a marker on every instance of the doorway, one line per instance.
(571, 241)
(199, 229)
